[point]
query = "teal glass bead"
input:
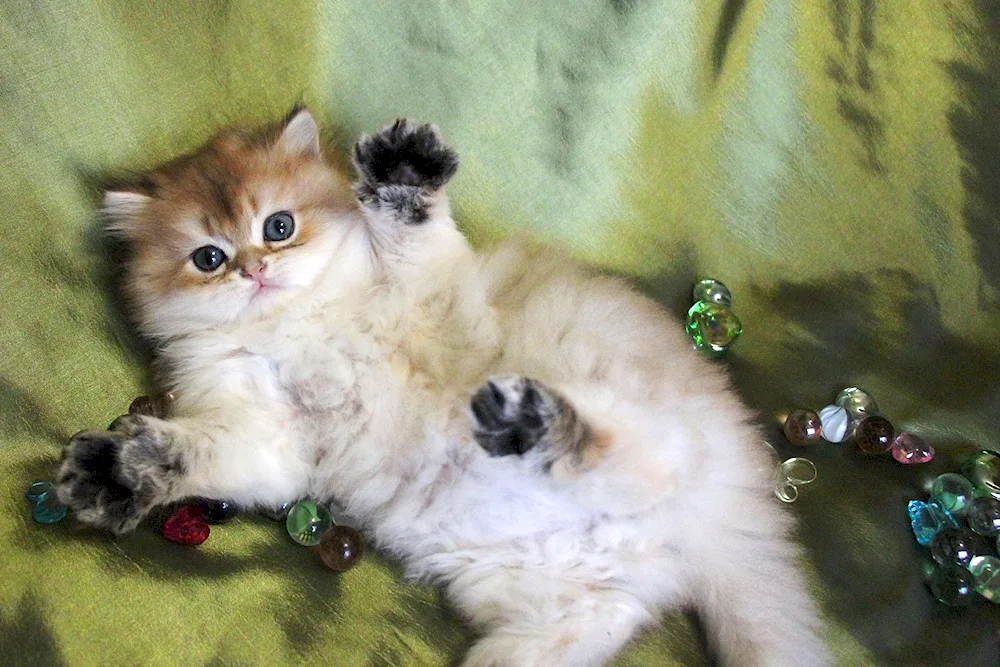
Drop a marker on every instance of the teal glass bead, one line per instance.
(859, 405)
(307, 521)
(37, 490)
(927, 519)
(983, 470)
(985, 572)
(953, 586)
(712, 327)
(953, 492)
(983, 515)
(48, 509)
(713, 291)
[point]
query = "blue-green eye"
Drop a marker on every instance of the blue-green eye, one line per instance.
(279, 226)
(208, 258)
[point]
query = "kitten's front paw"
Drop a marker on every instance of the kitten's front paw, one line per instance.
(111, 479)
(510, 414)
(404, 154)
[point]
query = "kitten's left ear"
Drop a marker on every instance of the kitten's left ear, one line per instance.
(122, 208)
(301, 135)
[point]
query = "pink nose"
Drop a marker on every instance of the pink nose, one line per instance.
(253, 271)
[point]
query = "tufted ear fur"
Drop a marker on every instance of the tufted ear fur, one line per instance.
(122, 208)
(301, 135)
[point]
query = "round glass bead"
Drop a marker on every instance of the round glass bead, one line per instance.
(859, 405)
(983, 470)
(874, 435)
(835, 421)
(219, 511)
(953, 546)
(48, 509)
(307, 521)
(799, 471)
(37, 490)
(340, 548)
(927, 519)
(910, 449)
(712, 291)
(279, 513)
(983, 515)
(187, 526)
(802, 427)
(157, 405)
(953, 586)
(953, 492)
(985, 572)
(712, 327)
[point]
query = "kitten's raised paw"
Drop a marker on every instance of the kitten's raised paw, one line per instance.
(111, 479)
(404, 154)
(511, 415)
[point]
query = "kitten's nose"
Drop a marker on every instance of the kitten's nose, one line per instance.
(253, 270)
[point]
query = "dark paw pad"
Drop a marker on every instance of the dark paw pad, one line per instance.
(509, 415)
(405, 154)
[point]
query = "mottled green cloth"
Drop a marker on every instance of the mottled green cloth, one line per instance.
(835, 162)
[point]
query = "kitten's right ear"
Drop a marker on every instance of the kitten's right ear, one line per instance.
(122, 208)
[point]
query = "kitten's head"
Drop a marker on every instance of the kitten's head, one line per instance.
(232, 232)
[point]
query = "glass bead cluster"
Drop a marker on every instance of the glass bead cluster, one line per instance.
(711, 323)
(960, 526)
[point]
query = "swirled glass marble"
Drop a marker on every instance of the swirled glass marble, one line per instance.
(953, 492)
(985, 572)
(307, 521)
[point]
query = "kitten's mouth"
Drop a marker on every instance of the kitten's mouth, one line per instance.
(264, 289)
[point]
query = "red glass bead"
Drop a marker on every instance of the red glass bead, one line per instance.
(874, 435)
(187, 526)
(341, 548)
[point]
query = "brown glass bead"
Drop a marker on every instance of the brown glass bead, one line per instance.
(157, 405)
(874, 435)
(341, 548)
(803, 427)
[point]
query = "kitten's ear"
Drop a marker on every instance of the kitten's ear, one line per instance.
(301, 135)
(122, 208)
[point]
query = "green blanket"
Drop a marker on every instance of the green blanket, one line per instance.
(835, 162)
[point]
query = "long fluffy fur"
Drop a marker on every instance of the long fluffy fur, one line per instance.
(354, 382)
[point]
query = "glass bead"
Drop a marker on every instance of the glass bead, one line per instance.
(219, 511)
(307, 522)
(784, 490)
(953, 492)
(712, 327)
(910, 449)
(279, 513)
(48, 509)
(983, 515)
(341, 548)
(157, 405)
(953, 546)
(37, 490)
(859, 405)
(927, 519)
(953, 586)
(187, 526)
(985, 572)
(802, 427)
(874, 435)
(983, 470)
(712, 291)
(834, 421)
(799, 471)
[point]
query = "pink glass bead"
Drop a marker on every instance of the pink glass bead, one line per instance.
(909, 449)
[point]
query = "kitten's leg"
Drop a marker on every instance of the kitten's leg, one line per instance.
(402, 170)
(112, 479)
(517, 415)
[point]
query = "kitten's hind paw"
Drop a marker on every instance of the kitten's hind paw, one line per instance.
(111, 479)
(404, 154)
(512, 415)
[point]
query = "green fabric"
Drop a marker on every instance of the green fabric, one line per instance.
(835, 162)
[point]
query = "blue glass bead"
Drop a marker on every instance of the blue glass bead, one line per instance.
(306, 522)
(714, 291)
(953, 586)
(218, 511)
(953, 492)
(37, 490)
(986, 577)
(48, 509)
(279, 513)
(927, 519)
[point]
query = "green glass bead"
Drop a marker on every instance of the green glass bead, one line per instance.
(953, 586)
(953, 492)
(307, 521)
(713, 291)
(712, 327)
(983, 470)
(48, 509)
(986, 577)
(37, 490)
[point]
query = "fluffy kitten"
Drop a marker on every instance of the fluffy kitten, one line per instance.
(540, 440)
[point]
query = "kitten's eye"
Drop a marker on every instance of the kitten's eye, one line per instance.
(208, 258)
(279, 226)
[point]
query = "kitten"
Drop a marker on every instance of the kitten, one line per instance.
(540, 440)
